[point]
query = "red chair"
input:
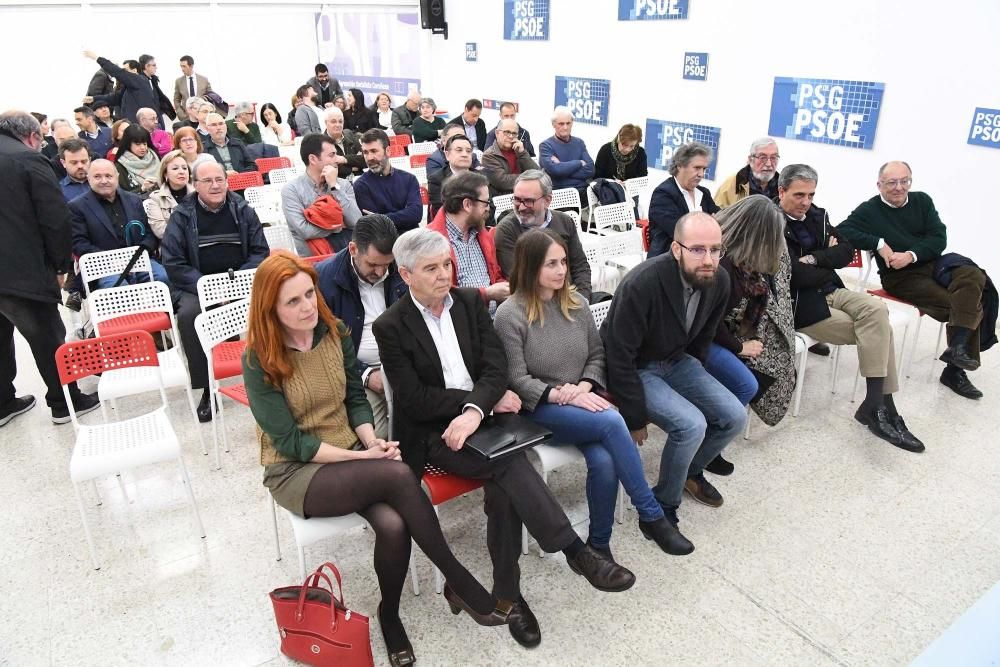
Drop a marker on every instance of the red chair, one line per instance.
(316, 259)
(418, 160)
(441, 487)
(644, 224)
(397, 150)
(403, 140)
(425, 196)
(247, 179)
(266, 164)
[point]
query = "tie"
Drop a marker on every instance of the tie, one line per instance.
(191, 85)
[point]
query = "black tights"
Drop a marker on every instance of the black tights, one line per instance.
(388, 496)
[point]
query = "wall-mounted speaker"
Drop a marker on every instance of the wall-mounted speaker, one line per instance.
(432, 17)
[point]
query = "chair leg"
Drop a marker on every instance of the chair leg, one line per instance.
(97, 493)
(302, 563)
(190, 494)
(620, 509)
(799, 381)
(937, 346)
(413, 571)
(854, 389)
(916, 340)
(194, 414)
(215, 426)
(901, 360)
(86, 527)
(524, 540)
(545, 480)
(836, 368)
(274, 525)
(438, 579)
(746, 431)
(221, 408)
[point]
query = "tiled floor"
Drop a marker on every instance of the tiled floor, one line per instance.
(832, 548)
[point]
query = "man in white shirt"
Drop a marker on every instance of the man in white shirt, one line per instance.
(187, 86)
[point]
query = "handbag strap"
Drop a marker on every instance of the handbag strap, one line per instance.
(336, 575)
(304, 590)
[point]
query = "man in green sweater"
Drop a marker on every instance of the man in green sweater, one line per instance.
(904, 229)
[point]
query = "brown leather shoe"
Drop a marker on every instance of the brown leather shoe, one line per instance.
(702, 490)
(603, 574)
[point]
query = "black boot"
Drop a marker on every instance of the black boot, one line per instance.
(955, 379)
(957, 352)
(205, 407)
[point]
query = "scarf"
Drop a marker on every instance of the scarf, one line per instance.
(622, 161)
(754, 287)
(139, 169)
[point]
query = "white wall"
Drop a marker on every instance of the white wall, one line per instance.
(938, 63)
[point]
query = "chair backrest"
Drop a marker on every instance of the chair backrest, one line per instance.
(280, 176)
(622, 243)
(267, 164)
(216, 288)
(422, 148)
(400, 162)
(592, 200)
(425, 195)
(418, 160)
(112, 302)
(502, 204)
(600, 312)
(397, 150)
(400, 140)
(634, 186)
(420, 173)
(566, 198)
(279, 237)
(293, 154)
(611, 215)
(220, 324)
(244, 180)
(265, 200)
(96, 265)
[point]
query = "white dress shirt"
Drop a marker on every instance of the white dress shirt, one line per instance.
(373, 300)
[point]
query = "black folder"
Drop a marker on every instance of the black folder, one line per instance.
(504, 434)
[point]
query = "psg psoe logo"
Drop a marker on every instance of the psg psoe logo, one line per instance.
(826, 111)
(588, 99)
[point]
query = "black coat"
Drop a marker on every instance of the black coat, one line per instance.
(423, 408)
(605, 167)
(480, 130)
(237, 154)
(92, 228)
(808, 280)
(136, 93)
(666, 207)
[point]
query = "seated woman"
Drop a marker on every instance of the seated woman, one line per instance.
(187, 141)
(679, 194)
(622, 158)
(175, 184)
(117, 128)
(137, 163)
(383, 111)
(318, 447)
(357, 117)
(427, 126)
(555, 361)
(272, 130)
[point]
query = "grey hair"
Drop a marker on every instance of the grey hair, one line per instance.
(797, 172)
(880, 169)
(686, 153)
(419, 243)
(206, 103)
(762, 142)
(243, 107)
(561, 111)
(194, 101)
(204, 158)
(753, 233)
(20, 124)
(144, 110)
(333, 111)
(428, 100)
(544, 181)
(55, 122)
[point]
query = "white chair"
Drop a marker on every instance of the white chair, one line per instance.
(592, 203)
(265, 200)
(106, 449)
(279, 237)
(219, 288)
(623, 250)
(802, 344)
(502, 204)
(421, 148)
(635, 186)
(613, 217)
(401, 163)
(420, 173)
(96, 265)
(566, 198)
(600, 313)
(282, 176)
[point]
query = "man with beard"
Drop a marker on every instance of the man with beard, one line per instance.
(657, 333)
(757, 178)
(74, 155)
(532, 196)
(385, 190)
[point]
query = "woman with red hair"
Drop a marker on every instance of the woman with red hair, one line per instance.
(318, 446)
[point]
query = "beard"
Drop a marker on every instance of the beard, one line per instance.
(699, 280)
(529, 220)
(763, 176)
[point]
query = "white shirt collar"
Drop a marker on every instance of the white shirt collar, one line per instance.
(891, 205)
(424, 310)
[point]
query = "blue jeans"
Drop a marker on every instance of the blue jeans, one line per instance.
(159, 275)
(698, 414)
(730, 370)
(611, 456)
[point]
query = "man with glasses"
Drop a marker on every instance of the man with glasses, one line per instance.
(230, 153)
(757, 178)
(212, 233)
(508, 111)
(242, 126)
(458, 150)
(382, 189)
(437, 160)
(506, 158)
(906, 234)
(662, 320)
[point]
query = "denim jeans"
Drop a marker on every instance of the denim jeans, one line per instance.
(159, 275)
(698, 414)
(730, 370)
(611, 456)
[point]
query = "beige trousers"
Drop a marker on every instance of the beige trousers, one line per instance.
(381, 411)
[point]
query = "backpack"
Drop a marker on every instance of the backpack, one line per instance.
(608, 191)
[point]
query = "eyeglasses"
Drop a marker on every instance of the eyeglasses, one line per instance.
(699, 252)
(530, 203)
(481, 201)
(896, 182)
(211, 181)
(508, 133)
(760, 157)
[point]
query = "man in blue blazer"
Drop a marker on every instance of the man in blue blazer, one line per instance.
(679, 195)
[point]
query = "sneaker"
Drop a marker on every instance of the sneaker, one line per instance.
(701, 490)
(74, 301)
(83, 403)
(16, 407)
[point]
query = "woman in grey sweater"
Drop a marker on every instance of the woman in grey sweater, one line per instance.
(556, 360)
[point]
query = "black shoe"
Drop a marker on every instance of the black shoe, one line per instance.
(74, 301)
(702, 490)
(957, 352)
(604, 551)
(955, 379)
(523, 625)
(400, 656)
(15, 407)
(878, 422)
(83, 403)
(496, 617)
(205, 407)
(603, 574)
(720, 466)
(821, 349)
(666, 536)
(908, 441)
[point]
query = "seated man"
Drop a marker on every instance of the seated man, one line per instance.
(458, 150)
(565, 157)
(74, 154)
(191, 107)
(230, 153)
(98, 137)
(385, 190)
(211, 233)
(508, 111)
(320, 178)
(447, 370)
(909, 237)
(462, 221)
(100, 218)
(827, 311)
(61, 131)
(242, 125)
(505, 159)
(472, 125)
(679, 194)
(102, 112)
(657, 333)
(358, 284)
(307, 120)
(403, 115)
(532, 196)
(759, 177)
(348, 158)
(162, 140)
(437, 161)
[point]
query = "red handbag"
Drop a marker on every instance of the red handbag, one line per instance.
(317, 628)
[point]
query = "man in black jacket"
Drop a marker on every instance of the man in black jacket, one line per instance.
(35, 258)
(830, 313)
(662, 320)
(472, 124)
(138, 89)
(230, 153)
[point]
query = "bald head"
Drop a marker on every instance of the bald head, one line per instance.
(62, 133)
(506, 133)
(413, 100)
(697, 233)
(693, 224)
(103, 179)
(894, 181)
(146, 118)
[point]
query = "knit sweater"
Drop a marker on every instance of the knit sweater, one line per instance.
(914, 227)
(575, 166)
(396, 195)
(543, 356)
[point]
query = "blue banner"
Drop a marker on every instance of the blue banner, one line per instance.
(471, 52)
(985, 129)
(588, 99)
(652, 10)
(826, 111)
(526, 20)
(373, 85)
(695, 66)
(495, 104)
(663, 137)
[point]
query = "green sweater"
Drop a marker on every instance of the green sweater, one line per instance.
(250, 137)
(914, 227)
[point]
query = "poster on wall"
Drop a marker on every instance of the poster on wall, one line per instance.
(663, 137)
(695, 66)
(374, 52)
(652, 10)
(526, 20)
(587, 99)
(985, 130)
(839, 112)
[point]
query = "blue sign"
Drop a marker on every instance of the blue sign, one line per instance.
(471, 52)
(663, 137)
(985, 128)
(652, 10)
(373, 85)
(526, 20)
(827, 111)
(587, 98)
(695, 66)
(495, 104)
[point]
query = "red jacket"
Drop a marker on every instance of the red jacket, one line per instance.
(486, 244)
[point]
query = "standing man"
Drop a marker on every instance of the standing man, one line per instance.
(508, 111)
(102, 111)
(190, 84)
(325, 86)
(385, 190)
(403, 115)
(757, 178)
(506, 158)
(472, 124)
(98, 137)
(564, 157)
(138, 89)
(905, 232)
(35, 258)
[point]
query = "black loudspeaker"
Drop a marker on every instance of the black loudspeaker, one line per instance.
(432, 17)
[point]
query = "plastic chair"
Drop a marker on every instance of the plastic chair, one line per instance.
(279, 237)
(265, 200)
(566, 198)
(109, 448)
(502, 204)
(401, 140)
(96, 265)
(282, 176)
(218, 288)
(592, 203)
(419, 150)
(244, 180)
(550, 457)
(425, 196)
(635, 186)
(396, 150)
(115, 312)
(611, 217)
(266, 164)
(420, 173)
(418, 160)
(400, 162)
